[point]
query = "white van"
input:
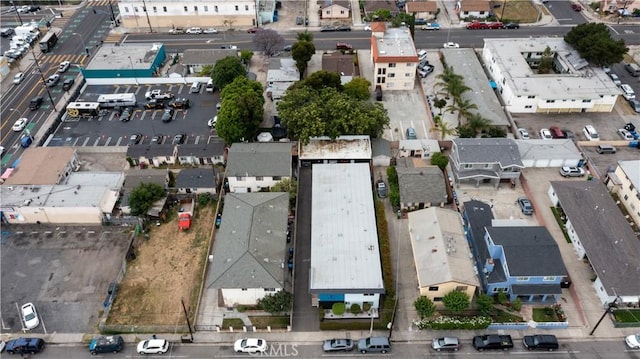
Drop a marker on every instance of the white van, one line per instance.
(195, 88)
(627, 92)
(590, 133)
(210, 87)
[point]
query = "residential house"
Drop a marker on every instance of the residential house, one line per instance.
(625, 183)
(252, 167)
(249, 254)
(371, 6)
(475, 9)
(177, 71)
(197, 180)
(343, 149)
(42, 166)
(152, 155)
(485, 160)
(422, 148)
(573, 86)
(134, 179)
(345, 262)
(334, 9)
(282, 73)
(196, 59)
(422, 9)
(421, 187)
(340, 63)
(193, 154)
(522, 261)
(381, 152)
(601, 235)
(394, 58)
(441, 255)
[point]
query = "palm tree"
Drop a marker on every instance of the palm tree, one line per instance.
(446, 77)
(442, 128)
(456, 88)
(463, 106)
(304, 36)
(478, 123)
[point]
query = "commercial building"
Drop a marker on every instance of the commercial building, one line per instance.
(125, 61)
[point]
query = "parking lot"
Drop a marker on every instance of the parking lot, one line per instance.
(64, 271)
(108, 130)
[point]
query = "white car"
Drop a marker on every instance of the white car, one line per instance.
(194, 30)
(153, 346)
(17, 79)
(210, 30)
(451, 45)
(212, 121)
(250, 345)
(590, 133)
(29, 316)
(626, 135)
(545, 134)
(367, 27)
(524, 134)
(633, 341)
(24, 9)
(64, 66)
(20, 124)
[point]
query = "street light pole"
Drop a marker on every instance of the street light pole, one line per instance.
(17, 12)
(144, 7)
(86, 49)
(44, 82)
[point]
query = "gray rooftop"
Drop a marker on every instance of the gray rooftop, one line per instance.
(611, 245)
(251, 244)
(201, 150)
(529, 251)
(479, 216)
(282, 70)
(464, 62)
(196, 178)
(206, 56)
(124, 57)
(548, 149)
(395, 45)
(150, 151)
(380, 147)
(345, 254)
(503, 151)
(259, 159)
(422, 185)
(133, 180)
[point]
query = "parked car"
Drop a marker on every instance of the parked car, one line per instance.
(327, 28)
(106, 344)
(35, 103)
(411, 134)
(374, 345)
(633, 341)
(180, 103)
(569, 133)
(576, 7)
(250, 345)
(29, 316)
(17, 79)
(25, 346)
(495, 25)
(20, 124)
(512, 25)
(524, 134)
(338, 345)
(157, 139)
(153, 346)
(212, 121)
(626, 135)
(615, 78)
(492, 342)
(126, 114)
(64, 66)
(571, 172)
(556, 132)
(451, 45)
(168, 114)
(26, 141)
(343, 28)
(253, 30)
(158, 95)
(635, 105)
(179, 139)
(430, 26)
(287, 48)
(67, 84)
(343, 46)
(525, 206)
(176, 31)
(590, 133)
(381, 188)
(545, 134)
(135, 139)
(210, 30)
(446, 343)
(540, 342)
(194, 31)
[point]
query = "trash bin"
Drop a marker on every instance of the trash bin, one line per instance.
(186, 339)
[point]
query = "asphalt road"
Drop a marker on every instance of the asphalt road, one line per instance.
(564, 14)
(584, 350)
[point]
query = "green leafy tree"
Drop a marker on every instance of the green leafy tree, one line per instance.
(319, 80)
(478, 123)
(516, 304)
(456, 301)
(595, 44)
(440, 103)
(207, 70)
(308, 113)
(440, 160)
(268, 41)
(382, 14)
(463, 107)
(546, 62)
(245, 56)
(304, 36)
(226, 70)
(465, 131)
(287, 185)
(142, 197)
(278, 302)
(242, 110)
(301, 52)
(496, 132)
(502, 297)
(358, 88)
(425, 307)
(485, 304)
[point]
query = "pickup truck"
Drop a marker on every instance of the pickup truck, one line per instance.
(492, 342)
(430, 26)
(157, 94)
(185, 213)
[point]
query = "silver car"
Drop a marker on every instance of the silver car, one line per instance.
(338, 345)
(525, 206)
(446, 343)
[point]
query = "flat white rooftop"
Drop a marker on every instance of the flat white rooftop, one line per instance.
(345, 255)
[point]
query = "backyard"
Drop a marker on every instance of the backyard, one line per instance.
(523, 12)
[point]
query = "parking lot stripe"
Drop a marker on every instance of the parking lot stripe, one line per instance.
(86, 140)
(118, 142)
(108, 140)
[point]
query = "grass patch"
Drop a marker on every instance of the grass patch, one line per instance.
(627, 315)
(557, 216)
(523, 12)
(544, 315)
(500, 316)
(275, 322)
(236, 323)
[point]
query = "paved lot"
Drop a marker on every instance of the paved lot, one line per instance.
(110, 131)
(64, 271)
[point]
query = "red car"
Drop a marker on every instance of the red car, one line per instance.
(253, 30)
(576, 7)
(343, 46)
(556, 132)
(496, 25)
(476, 25)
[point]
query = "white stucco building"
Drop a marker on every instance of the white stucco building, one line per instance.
(394, 57)
(257, 165)
(573, 86)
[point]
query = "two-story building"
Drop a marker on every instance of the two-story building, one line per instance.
(421, 187)
(197, 180)
(485, 160)
(394, 58)
(422, 9)
(476, 9)
(152, 155)
(625, 183)
(258, 165)
(211, 153)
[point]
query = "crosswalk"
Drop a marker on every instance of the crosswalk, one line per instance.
(56, 59)
(114, 3)
(113, 38)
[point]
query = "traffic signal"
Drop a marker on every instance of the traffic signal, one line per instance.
(94, 11)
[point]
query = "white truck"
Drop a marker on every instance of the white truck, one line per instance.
(158, 95)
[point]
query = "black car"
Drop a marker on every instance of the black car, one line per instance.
(154, 104)
(343, 28)
(25, 346)
(540, 342)
(135, 139)
(179, 139)
(35, 103)
(511, 25)
(125, 116)
(66, 85)
(106, 344)
(180, 103)
(33, 8)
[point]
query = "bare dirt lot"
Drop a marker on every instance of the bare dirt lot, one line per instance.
(168, 267)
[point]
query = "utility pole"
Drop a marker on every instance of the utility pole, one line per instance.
(113, 15)
(186, 315)
(144, 7)
(44, 82)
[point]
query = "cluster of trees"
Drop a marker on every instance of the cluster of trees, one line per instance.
(142, 197)
(595, 44)
(453, 301)
(321, 106)
(302, 51)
